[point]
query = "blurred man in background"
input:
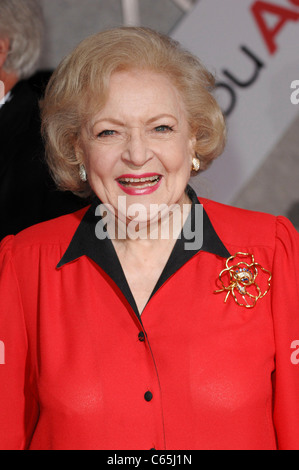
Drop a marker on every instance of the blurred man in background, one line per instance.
(27, 192)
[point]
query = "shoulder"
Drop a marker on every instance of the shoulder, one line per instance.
(241, 226)
(24, 101)
(58, 231)
(24, 92)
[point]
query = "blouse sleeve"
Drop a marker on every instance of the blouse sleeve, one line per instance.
(285, 307)
(17, 407)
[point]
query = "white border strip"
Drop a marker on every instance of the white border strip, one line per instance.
(131, 13)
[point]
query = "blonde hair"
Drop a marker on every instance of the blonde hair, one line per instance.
(79, 87)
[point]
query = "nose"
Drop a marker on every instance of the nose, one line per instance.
(136, 152)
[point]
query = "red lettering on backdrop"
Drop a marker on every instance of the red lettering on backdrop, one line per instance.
(294, 2)
(283, 14)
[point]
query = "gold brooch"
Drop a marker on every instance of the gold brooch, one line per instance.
(241, 281)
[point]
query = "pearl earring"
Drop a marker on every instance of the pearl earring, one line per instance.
(82, 173)
(195, 163)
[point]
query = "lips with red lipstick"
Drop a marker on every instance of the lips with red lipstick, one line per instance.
(139, 184)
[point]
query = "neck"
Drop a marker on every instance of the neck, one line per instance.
(160, 230)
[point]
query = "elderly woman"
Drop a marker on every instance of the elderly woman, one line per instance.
(150, 319)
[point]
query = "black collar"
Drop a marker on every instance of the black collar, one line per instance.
(102, 252)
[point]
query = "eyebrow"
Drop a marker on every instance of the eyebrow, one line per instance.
(120, 123)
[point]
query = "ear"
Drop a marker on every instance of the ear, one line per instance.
(4, 50)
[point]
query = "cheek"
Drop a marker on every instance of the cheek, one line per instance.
(99, 164)
(179, 160)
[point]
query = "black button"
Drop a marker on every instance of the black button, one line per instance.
(148, 396)
(141, 336)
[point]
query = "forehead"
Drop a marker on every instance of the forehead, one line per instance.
(139, 91)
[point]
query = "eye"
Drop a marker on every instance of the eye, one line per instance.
(106, 133)
(163, 129)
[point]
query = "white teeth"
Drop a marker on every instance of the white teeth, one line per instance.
(144, 182)
(139, 180)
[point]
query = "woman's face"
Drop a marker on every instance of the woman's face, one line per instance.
(139, 145)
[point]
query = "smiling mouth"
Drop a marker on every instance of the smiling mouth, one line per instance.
(140, 183)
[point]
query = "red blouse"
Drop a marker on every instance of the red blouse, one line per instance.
(80, 369)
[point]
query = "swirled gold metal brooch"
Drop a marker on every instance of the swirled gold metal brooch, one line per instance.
(241, 280)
